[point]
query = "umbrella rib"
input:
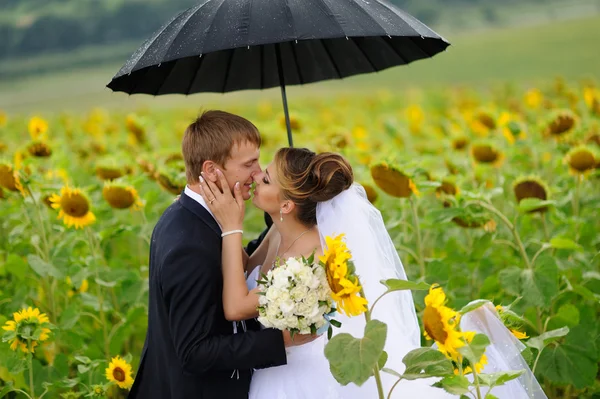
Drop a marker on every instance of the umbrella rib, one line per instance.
(412, 39)
(296, 62)
(229, 62)
(331, 59)
(166, 78)
(395, 50)
(195, 76)
(364, 54)
(261, 66)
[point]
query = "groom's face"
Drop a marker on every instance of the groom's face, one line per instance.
(241, 166)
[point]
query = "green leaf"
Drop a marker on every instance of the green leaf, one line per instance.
(499, 378)
(473, 305)
(83, 359)
(103, 283)
(69, 316)
(393, 284)
(335, 323)
(585, 293)
(475, 349)
(16, 266)
(490, 396)
(7, 388)
(542, 340)
(426, 362)
(573, 362)
(82, 369)
(564, 243)
(540, 285)
(392, 372)
(43, 268)
(567, 315)
(532, 204)
(382, 360)
(353, 359)
(454, 384)
(510, 280)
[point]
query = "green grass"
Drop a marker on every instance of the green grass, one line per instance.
(524, 55)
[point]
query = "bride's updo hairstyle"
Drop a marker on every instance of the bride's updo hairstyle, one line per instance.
(307, 178)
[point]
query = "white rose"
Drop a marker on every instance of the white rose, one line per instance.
(315, 311)
(287, 307)
(298, 292)
(311, 298)
(281, 278)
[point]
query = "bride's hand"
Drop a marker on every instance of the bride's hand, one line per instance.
(227, 209)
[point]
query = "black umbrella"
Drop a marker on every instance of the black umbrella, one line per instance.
(229, 45)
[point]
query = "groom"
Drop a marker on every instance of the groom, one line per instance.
(191, 350)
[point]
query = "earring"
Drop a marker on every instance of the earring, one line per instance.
(280, 215)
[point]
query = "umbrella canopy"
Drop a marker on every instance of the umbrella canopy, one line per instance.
(229, 45)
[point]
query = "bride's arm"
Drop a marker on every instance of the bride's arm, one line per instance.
(238, 302)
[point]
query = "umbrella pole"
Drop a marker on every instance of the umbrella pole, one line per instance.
(283, 95)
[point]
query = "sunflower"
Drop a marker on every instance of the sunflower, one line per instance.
(27, 328)
(9, 178)
(581, 160)
(531, 187)
(415, 116)
(370, 191)
(137, 130)
(295, 122)
(73, 290)
(447, 187)
(37, 128)
(487, 153)
(533, 98)
(119, 372)
(74, 207)
(3, 118)
(344, 284)
(39, 149)
(591, 96)
(483, 122)
(518, 334)
(106, 172)
(393, 181)
(441, 323)
(561, 123)
(98, 391)
(171, 179)
(120, 196)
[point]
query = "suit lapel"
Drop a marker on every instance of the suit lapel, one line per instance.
(193, 206)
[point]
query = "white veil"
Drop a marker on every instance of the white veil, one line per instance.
(376, 259)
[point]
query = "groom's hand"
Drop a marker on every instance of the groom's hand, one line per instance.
(299, 339)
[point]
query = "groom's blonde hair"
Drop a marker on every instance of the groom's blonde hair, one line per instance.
(211, 137)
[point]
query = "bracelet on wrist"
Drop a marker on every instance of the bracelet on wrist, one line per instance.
(226, 233)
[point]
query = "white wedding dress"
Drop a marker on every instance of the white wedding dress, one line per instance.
(307, 374)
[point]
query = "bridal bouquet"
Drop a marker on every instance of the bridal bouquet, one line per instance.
(295, 296)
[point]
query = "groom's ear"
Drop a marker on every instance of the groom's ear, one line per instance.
(210, 170)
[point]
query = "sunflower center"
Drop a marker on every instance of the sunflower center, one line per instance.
(119, 374)
(334, 283)
(561, 124)
(530, 189)
(485, 154)
(75, 205)
(434, 326)
(582, 161)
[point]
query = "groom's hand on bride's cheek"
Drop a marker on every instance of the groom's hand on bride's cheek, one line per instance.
(299, 339)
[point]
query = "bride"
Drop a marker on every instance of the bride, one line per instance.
(309, 197)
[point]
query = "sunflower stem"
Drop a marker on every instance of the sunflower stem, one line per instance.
(476, 382)
(415, 217)
(30, 366)
(576, 196)
(99, 295)
(545, 226)
(511, 227)
(376, 372)
(393, 387)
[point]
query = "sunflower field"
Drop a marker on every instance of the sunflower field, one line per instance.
(492, 193)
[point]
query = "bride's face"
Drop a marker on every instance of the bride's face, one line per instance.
(267, 192)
